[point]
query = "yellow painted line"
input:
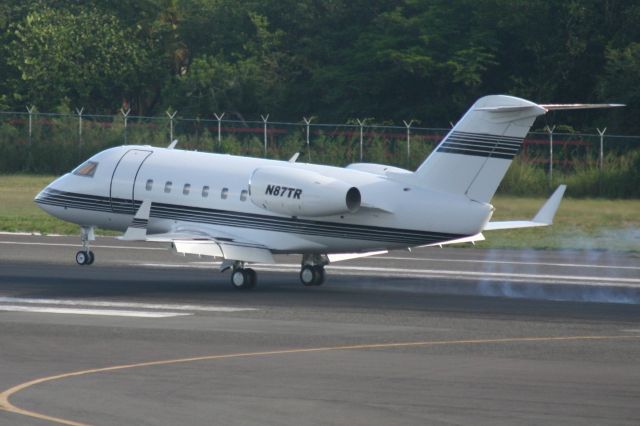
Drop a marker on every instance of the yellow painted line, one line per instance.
(6, 405)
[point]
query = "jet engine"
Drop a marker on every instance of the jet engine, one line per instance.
(297, 192)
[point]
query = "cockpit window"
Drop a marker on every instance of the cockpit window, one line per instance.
(87, 169)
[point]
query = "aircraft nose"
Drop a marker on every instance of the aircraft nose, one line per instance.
(43, 199)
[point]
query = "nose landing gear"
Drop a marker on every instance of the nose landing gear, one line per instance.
(86, 256)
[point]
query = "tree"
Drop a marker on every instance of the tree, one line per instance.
(79, 54)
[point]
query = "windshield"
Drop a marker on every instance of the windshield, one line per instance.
(87, 169)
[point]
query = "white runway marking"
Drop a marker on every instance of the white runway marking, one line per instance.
(103, 312)
(109, 304)
(107, 308)
(23, 243)
(502, 262)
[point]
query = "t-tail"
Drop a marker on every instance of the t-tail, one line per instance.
(475, 155)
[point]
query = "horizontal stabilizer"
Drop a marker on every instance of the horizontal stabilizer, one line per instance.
(506, 108)
(544, 217)
(560, 107)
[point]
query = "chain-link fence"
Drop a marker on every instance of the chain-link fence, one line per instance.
(55, 143)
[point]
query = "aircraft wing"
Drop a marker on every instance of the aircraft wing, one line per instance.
(194, 240)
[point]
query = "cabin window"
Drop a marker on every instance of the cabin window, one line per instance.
(87, 169)
(186, 189)
(243, 195)
(149, 184)
(225, 193)
(167, 186)
(205, 191)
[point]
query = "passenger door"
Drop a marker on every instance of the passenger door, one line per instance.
(123, 181)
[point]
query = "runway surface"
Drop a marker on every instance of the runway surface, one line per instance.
(147, 337)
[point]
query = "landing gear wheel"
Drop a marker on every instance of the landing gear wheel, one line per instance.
(252, 276)
(82, 257)
(308, 275)
(243, 279)
(319, 270)
(92, 258)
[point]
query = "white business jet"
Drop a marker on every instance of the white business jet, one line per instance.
(244, 210)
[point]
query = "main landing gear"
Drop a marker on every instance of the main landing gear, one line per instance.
(86, 256)
(312, 270)
(312, 275)
(243, 278)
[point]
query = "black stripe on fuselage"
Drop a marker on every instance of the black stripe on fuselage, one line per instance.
(139, 223)
(247, 220)
(481, 145)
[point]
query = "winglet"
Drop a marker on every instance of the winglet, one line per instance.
(294, 157)
(548, 210)
(544, 217)
(137, 230)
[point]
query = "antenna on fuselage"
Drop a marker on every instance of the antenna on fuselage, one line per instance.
(173, 144)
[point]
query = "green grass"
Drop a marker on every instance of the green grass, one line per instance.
(595, 224)
(18, 212)
(582, 224)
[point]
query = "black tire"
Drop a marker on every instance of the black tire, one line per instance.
(308, 275)
(92, 258)
(320, 275)
(252, 277)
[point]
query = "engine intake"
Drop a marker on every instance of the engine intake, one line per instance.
(297, 192)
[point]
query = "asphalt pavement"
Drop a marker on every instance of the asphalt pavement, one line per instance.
(432, 336)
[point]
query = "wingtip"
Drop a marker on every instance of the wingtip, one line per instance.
(548, 211)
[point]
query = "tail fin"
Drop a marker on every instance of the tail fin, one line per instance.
(475, 155)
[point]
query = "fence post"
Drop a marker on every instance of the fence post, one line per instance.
(171, 116)
(125, 115)
(79, 111)
(550, 131)
(601, 133)
(30, 110)
(307, 121)
(265, 119)
(219, 118)
(361, 123)
(408, 126)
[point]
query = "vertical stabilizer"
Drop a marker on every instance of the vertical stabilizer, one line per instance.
(474, 157)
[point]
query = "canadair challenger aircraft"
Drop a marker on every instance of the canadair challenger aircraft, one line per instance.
(244, 210)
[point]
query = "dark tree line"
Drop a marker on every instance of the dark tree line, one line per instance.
(333, 59)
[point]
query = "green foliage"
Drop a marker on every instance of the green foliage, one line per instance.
(618, 178)
(76, 52)
(395, 60)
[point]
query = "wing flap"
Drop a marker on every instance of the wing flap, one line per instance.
(246, 253)
(200, 248)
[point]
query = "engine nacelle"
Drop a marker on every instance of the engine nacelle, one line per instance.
(298, 192)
